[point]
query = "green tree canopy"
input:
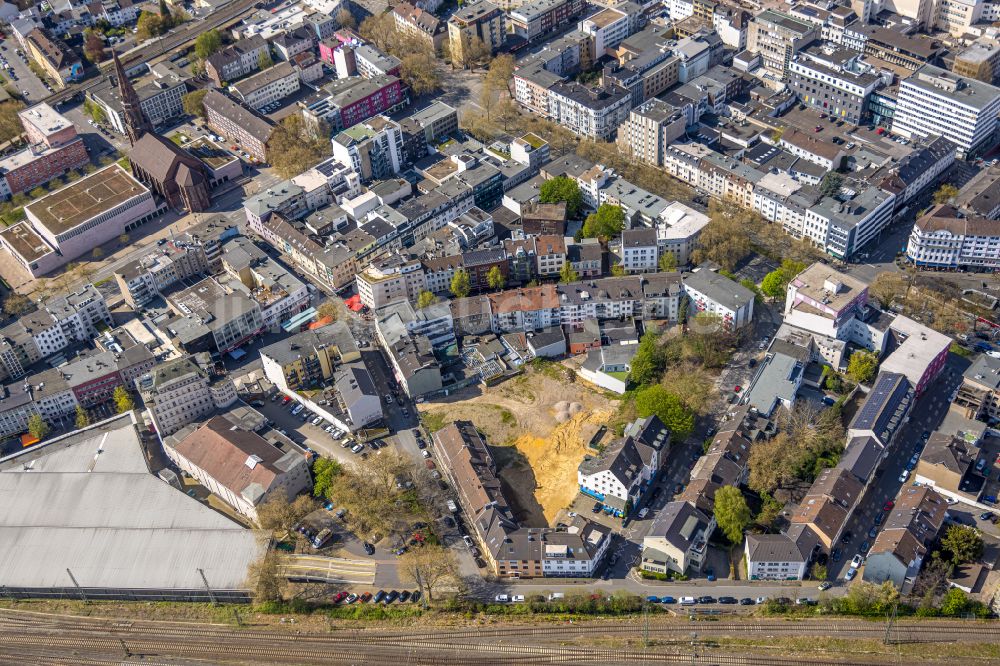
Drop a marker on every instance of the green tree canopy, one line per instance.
(82, 420)
(945, 193)
(649, 360)
(461, 285)
(962, 544)
(657, 400)
(564, 189)
(495, 278)
(668, 262)
(774, 284)
(425, 299)
(325, 470)
(193, 103)
(207, 43)
(264, 60)
(567, 274)
(830, 184)
(732, 514)
(862, 366)
(37, 426)
(123, 401)
(607, 222)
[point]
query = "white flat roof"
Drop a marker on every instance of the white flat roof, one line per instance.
(87, 502)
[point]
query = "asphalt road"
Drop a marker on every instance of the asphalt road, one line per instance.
(925, 416)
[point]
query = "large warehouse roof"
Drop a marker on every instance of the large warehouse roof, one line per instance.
(88, 503)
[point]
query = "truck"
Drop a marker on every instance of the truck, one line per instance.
(452, 506)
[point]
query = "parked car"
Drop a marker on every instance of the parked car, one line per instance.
(379, 596)
(728, 600)
(667, 600)
(706, 600)
(825, 585)
(644, 512)
(888, 505)
(851, 573)
(857, 561)
(746, 601)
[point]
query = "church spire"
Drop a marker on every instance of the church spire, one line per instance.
(136, 123)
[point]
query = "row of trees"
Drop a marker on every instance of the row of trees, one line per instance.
(40, 428)
(152, 24)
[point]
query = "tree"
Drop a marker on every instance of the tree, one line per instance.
(487, 99)
(862, 366)
(657, 400)
(617, 270)
(460, 283)
(124, 239)
(207, 43)
(264, 578)
(94, 110)
(82, 420)
(123, 401)
(425, 299)
(945, 193)
(887, 287)
(501, 73)
(732, 514)
(774, 284)
(507, 112)
(726, 238)
(37, 426)
(430, 567)
(324, 470)
(295, 146)
(419, 71)
(93, 45)
(194, 103)
(607, 222)
(149, 26)
(97, 254)
(567, 274)
(346, 19)
(495, 279)
(649, 360)
(562, 189)
(279, 515)
(328, 309)
(962, 544)
(476, 53)
(10, 122)
(954, 603)
(830, 184)
(668, 262)
(16, 304)
(380, 30)
(264, 60)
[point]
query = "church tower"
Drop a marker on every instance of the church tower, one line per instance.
(136, 123)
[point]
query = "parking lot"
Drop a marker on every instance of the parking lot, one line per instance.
(20, 75)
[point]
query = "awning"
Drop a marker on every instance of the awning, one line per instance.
(237, 354)
(354, 303)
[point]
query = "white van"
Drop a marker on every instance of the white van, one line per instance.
(502, 598)
(687, 601)
(555, 596)
(517, 598)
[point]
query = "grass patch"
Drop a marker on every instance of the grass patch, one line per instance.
(432, 422)
(620, 376)
(506, 417)
(125, 163)
(956, 348)
(103, 282)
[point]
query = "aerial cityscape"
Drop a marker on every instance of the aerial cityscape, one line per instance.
(535, 331)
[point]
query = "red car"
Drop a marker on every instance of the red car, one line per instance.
(737, 388)
(286, 400)
(888, 505)
(340, 597)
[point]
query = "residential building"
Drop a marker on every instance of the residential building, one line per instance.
(143, 280)
(919, 355)
(934, 101)
(374, 148)
(239, 124)
(716, 294)
(237, 60)
(649, 130)
(638, 251)
(240, 467)
(884, 409)
(778, 381)
(944, 237)
(211, 317)
(605, 30)
(270, 85)
(179, 392)
(777, 37)
(595, 113)
(539, 17)
(776, 556)
(677, 540)
(346, 102)
(978, 396)
(309, 359)
(827, 506)
(907, 535)
(481, 20)
(412, 20)
(278, 293)
(946, 465)
(54, 148)
(389, 280)
(678, 231)
(59, 61)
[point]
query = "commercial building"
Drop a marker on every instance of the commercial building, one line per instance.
(944, 237)
(539, 17)
(344, 103)
(96, 517)
(310, 358)
(481, 20)
(934, 101)
(605, 30)
(160, 101)
(212, 317)
(74, 220)
(140, 282)
(278, 293)
(272, 84)
(777, 37)
(240, 467)
(833, 81)
(678, 231)
(180, 392)
(239, 124)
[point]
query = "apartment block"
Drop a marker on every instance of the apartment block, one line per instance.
(179, 392)
(777, 37)
(481, 20)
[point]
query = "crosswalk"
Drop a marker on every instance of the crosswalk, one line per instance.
(328, 569)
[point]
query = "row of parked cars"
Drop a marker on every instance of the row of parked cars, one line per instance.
(380, 597)
(745, 601)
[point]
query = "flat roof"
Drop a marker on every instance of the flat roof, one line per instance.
(85, 199)
(209, 152)
(23, 239)
(46, 119)
(87, 503)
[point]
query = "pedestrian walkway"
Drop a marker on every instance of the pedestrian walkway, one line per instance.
(328, 569)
